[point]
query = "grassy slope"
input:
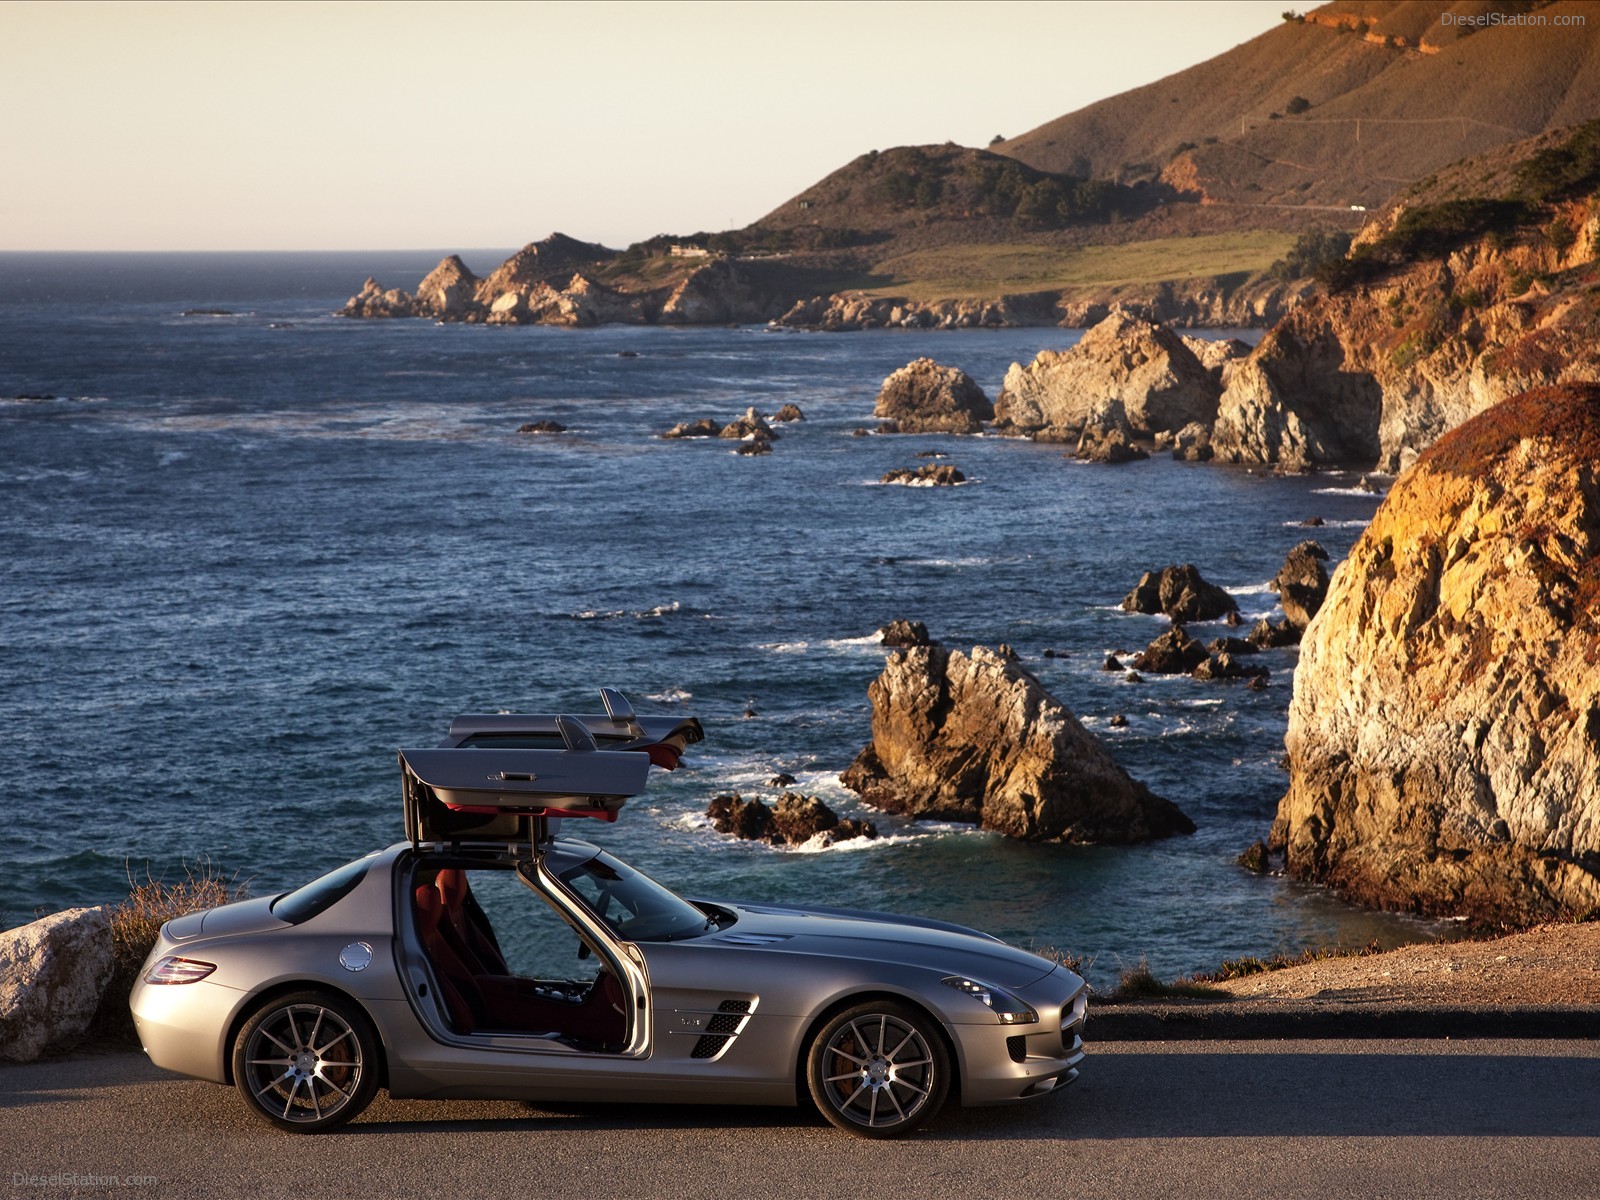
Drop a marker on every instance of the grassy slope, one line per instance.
(992, 269)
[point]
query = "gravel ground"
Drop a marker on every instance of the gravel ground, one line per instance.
(1552, 965)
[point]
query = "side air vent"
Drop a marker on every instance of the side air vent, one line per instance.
(722, 1027)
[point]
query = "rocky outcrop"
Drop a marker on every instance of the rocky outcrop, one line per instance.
(925, 397)
(1148, 368)
(542, 427)
(448, 291)
(705, 427)
(52, 974)
(1302, 583)
(1107, 435)
(1179, 592)
(751, 425)
(793, 821)
(1418, 339)
(930, 475)
(901, 632)
(374, 300)
(1444, 735)
(977, 738)
(1173, 653)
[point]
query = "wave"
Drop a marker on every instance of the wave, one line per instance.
(1352, 524)
(670, 696)
(1348, 491)
(675, 608)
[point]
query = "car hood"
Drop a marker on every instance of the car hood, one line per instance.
(883, 937)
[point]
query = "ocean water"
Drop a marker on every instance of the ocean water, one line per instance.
(247, 556)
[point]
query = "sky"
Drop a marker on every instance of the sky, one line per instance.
(352, 126)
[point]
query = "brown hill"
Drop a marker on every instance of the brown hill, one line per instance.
(1343, 106)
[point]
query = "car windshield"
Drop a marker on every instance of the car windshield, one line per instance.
(632, 905)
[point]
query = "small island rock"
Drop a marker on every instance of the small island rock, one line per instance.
(925, 397)
(972, 737)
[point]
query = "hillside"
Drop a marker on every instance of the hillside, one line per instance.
(1386, 93)
(1192, 200)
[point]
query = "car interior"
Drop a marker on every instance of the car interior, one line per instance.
(482, 991)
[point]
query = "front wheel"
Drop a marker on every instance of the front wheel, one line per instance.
(879, 1069)
(306, 1062)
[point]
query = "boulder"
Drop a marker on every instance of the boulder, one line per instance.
(1107, 436)
(751, 425)
(1192, 443)
(52, 973)
(747, 819)
(1302, 583)
(792, 821)
(931, 475)
(1225, 665)
(1181, 593)
(753, 447)
(789, 412)
(1148, 368)
(1267, 634)
(972, 737)
(900, 632)
(542, 427)
(1173, 653)
(924, 397)
(1444, 733)
(705, 427)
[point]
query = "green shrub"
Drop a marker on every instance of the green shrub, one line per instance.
(1297, 105)
(1562, 171)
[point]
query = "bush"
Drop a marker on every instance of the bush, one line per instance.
(1562, 171)
(1296, 106)
(137, 920)
(1310, 251)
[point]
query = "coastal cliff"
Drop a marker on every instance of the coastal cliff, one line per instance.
(1474, 287)
(1444, 734)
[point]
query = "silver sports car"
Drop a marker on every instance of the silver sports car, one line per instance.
(487, 958)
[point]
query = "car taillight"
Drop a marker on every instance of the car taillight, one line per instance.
(173, 969)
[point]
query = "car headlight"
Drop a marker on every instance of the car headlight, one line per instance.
(1003, 1004)
(173, 969)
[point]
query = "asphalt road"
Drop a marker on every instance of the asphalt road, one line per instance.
(1270, 1119)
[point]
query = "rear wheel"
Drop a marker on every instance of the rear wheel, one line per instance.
(879, 1069)
(306, 1062)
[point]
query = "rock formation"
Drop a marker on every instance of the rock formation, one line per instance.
(1179, 592)
(1173, 653)
(901, 632)
(52, 973)
(1302, 583)
(1148, 368)
(792, 821)
(930, 475)
(705, 427)
(1444, 735)
(976, 738)
(925, 397)
(1107, 435)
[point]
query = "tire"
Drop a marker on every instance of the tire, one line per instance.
(879, 1069)
(306, 1061)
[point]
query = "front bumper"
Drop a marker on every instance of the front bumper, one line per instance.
(1006, 1063)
